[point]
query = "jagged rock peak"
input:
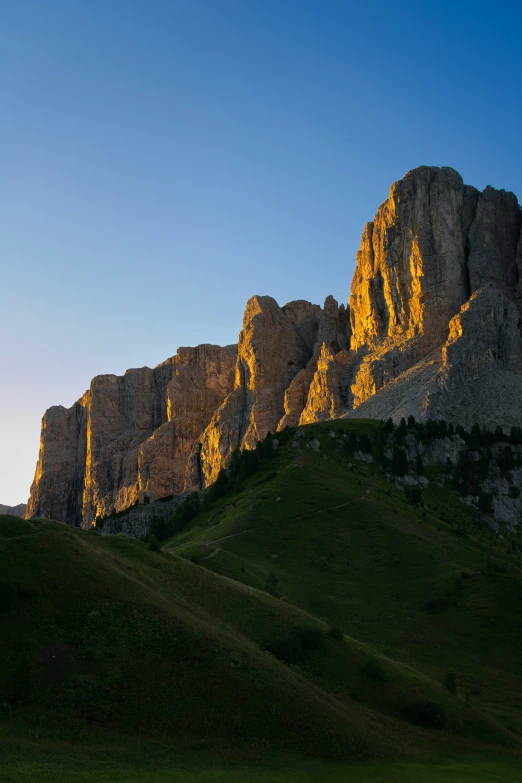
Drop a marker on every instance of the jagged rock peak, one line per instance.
(431, 244)
(278, 352)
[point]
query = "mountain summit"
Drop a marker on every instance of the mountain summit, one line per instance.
(432, 330)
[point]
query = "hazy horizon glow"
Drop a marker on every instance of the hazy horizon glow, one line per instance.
(164, 161)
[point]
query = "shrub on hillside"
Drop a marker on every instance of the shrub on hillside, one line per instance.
(365, 444)
(485, 502)
(153, 543)
(414, 495)
(450, 682)
(434, 605)
(374, 670)
(426, 713)
(336, 633)
(160, 528)
(286, 648)
(310, 638)
(291, 646)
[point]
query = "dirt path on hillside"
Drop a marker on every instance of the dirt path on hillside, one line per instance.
(286, 519)
(216, 540)
(212, 554)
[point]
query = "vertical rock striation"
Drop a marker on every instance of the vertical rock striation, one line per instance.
(433, 244)
(278, 353)
(128, 436)
(56, 492)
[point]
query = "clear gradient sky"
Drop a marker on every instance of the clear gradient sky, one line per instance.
(163, 160)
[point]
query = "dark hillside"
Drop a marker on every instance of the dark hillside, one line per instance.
(305, 607)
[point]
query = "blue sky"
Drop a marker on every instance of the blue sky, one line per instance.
(163, 160)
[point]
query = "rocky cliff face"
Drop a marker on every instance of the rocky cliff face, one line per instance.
(279, 353)
(128, 436)
(435, 303)
(432, 329)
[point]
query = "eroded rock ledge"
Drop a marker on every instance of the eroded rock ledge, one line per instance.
(432, 330)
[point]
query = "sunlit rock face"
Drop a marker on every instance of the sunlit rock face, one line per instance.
(432, 329)
(129, 436)
(280, 351)
(435, 303)
(57, 489)
(412, 275)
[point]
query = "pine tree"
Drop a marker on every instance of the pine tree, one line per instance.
(388, 425)
(402, 429)
(399, 461)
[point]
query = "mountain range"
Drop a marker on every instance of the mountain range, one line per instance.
(14, 511)
(432, 329)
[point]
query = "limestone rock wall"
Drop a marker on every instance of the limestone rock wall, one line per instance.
(433, 328)
(279, 350)
(439, 275)
(411, 274)
(128, 436)
(57, 489)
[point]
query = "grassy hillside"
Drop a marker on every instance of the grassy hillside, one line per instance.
(311, 612)
(428, 586)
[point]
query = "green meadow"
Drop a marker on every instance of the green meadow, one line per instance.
(310, 624)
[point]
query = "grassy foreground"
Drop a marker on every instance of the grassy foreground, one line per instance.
(311, 614)
(141, 768)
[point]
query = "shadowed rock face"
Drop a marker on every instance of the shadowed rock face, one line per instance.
(433, 329)
(13, 511)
